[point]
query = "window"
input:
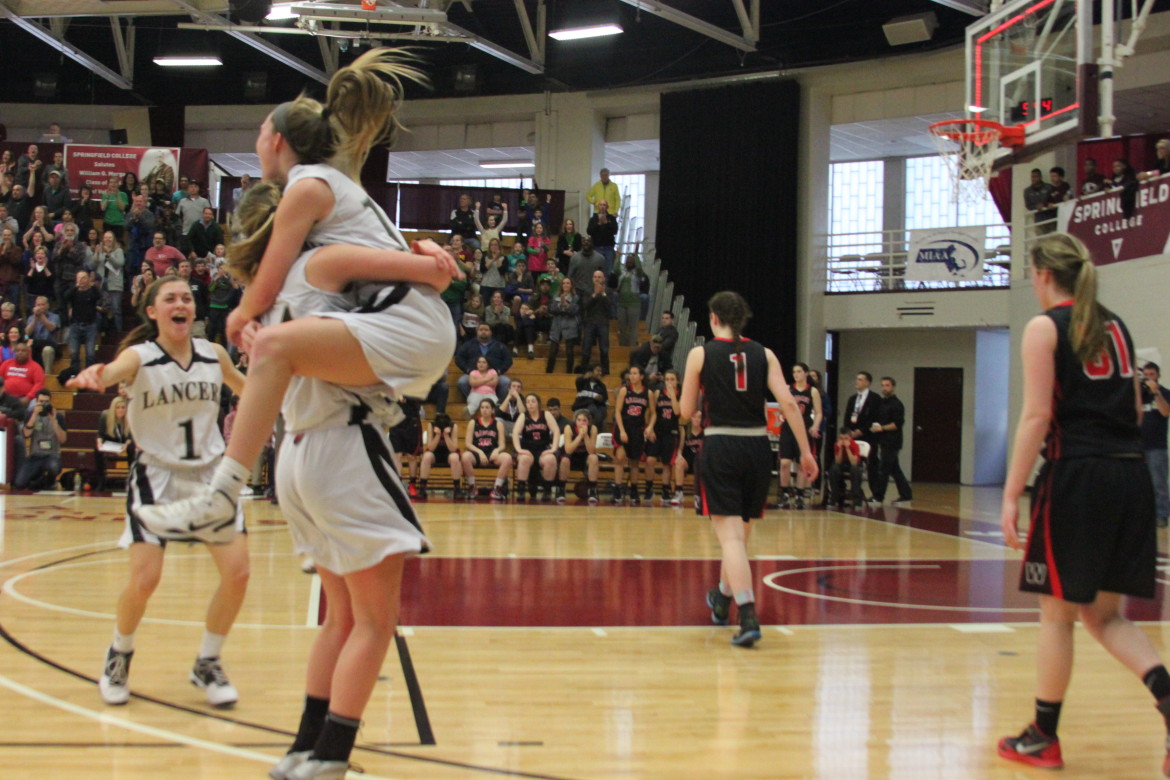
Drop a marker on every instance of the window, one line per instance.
(855, 207)
(930, 198)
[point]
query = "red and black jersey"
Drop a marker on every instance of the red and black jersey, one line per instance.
(804, 400)
(486, 437)
(665, 423)
(535, 436)
(733, 380)
(1094, 403)
(634, 407)
(692, 442)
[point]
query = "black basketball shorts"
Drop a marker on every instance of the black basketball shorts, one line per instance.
(1093, 529)
(635, 447)
(663, 447)
(733, 475)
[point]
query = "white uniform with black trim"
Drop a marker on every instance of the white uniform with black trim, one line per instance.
(339, 491)
(174, 413)
(399, 331)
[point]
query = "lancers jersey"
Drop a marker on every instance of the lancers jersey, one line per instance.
(733, 381)
(486, 437)
(634, 407)
(535, 435)
(1094, 403)
(174, 411)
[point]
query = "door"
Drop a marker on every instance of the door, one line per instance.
(938, 424)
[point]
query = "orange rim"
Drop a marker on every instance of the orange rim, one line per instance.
(979, 132)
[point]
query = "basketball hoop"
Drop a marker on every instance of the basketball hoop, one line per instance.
(968, 147)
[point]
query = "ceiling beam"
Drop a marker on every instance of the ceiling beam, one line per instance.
(535, 44)
(749, 22)
(692, 23)
(388, 13)
(494, 49)
(255, 41)
(68, 49)
(124, 47)
(973, 7)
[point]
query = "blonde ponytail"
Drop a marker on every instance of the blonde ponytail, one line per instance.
(1073, 271)
(255, 217)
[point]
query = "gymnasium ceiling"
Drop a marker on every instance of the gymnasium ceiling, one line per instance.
(486, 36)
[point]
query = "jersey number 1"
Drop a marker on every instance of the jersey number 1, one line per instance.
(188, 427)
(739, 360)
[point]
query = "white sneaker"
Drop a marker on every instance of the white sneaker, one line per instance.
(114, 684)
(677, 498)
(209, 516)
(208, 674)
(287, 763)
(308, 565)
(313, 769)
(247, 492)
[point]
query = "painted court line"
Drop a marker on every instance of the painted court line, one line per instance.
(600, 632)
(171, 736)
(313, 612)
(982, 628)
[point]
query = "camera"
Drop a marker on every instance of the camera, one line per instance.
(47, 408)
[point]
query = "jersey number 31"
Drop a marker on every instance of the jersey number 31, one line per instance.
(1102, 367)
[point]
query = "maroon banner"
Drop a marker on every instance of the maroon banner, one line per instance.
(93, 165)
(1121, 224)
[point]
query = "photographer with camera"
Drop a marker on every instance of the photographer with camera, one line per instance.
(1155, 410)
(45, 429)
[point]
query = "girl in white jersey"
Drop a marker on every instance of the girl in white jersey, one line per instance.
(174, 386)
(360, 529)
(397, 339)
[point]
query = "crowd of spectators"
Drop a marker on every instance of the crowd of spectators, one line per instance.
(1042, 197)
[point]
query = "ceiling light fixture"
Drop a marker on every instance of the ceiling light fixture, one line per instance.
(280, 12)
(201, 61)
(507, 164)
(578, 33)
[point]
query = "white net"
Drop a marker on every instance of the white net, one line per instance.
(968, 149)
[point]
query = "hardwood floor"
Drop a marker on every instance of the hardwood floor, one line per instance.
(572, 642)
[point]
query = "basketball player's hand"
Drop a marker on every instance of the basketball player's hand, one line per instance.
(446, 268)
(89, 379)
(1009, 519)
(650, 435)
(248, 335)
(808, 464)
(235, 324)
(625, 438)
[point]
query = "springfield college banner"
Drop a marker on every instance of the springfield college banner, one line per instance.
(92, 166)
(1119, 225)
(946, 254)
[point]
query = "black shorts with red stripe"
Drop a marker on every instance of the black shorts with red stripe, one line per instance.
(733, 474)
(406, 437)
(1093, 529)
(663, 447)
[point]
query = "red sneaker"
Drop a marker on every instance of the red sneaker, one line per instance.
(1032, 747)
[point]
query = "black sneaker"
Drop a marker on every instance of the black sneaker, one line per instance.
(635, 500)
(593, 497)
(546, 493)
(457, 494)
(749, 627)
(783, 503)
(1032, 747)
(720, 606)
(114, 684)
(421, 493)
(616, 491)
(498, 494)
(798, 502)
(559, 494)
(648, 496)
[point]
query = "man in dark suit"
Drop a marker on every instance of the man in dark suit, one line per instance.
(891, 420)
(861, 412)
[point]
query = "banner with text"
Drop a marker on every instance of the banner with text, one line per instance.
(952, 254)
(92, 166)
(1122, 224)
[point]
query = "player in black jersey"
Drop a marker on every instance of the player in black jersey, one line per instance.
(808, 398)
(634, 416)
(1093, 534)
(735, 464)
(580, 452)
(534, 438)
(662, 438)
(690, 442)
(442, 445)
(485, 446)
(406, 441)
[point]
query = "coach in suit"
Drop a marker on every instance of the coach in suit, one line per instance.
(861, 412)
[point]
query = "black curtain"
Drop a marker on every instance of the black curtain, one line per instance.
(727, 203)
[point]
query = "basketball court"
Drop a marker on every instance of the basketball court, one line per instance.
(572, 642)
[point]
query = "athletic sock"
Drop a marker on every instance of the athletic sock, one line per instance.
(500, 481)
(1157, 680)
(230, 477)
(1048, 716)
(423, 483)
(745, 597)
(312, 721)
(724, 589)
(337, 738)
(212, 645)
(649, 487)
(123, 643)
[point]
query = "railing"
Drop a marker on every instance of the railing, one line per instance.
(876, 262)
(662, 298)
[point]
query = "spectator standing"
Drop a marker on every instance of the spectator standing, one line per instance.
(668, 332)
(205, 234)
(603, 229)
(569, 243)
(161, 255)
(498, 209)
(54, 135)
(861, 411)
(42, 330)
(1038, 193)
(494, 226)
(890, 422)
(10, 265)
(1161, 164)
(1155, 410)
(115, 203)
(84, 304)
(7, 222)
(139, 231)
(190, 211)
(463, 222)
(582, 266)
(199, 293)
(1061, 189)
(223, 295)
(20, 207)
(564, 328)
(498, 316)
(56, 196)
(86, 208)
(69, 257)
(538, 247)
(28, 168)
(494, 267)
(604, 190)
(595, 316)
(46, 432)
(38, 282)
(629, 301)
(111, 261)
(1123, 175)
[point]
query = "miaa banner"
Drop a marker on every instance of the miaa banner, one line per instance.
(946, 254)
